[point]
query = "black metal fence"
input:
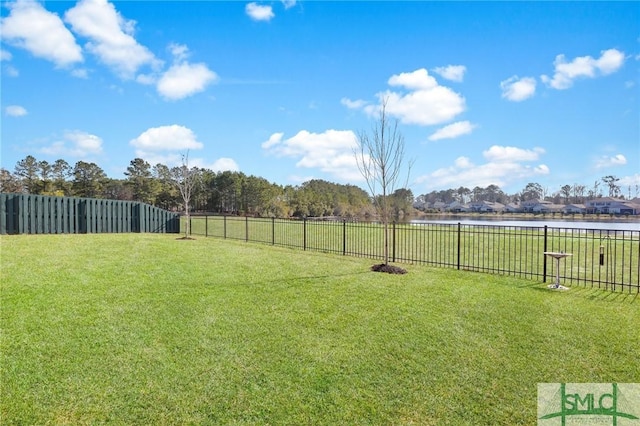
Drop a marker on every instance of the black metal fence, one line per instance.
(40, 214)
(608, 259)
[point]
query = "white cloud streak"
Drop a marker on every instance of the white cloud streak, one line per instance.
(610, 161)
(504, 165)
(15, 111)
(566, 73)
(76, 144)
(453, 130)
(451, 72)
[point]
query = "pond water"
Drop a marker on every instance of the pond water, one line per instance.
(625, 225)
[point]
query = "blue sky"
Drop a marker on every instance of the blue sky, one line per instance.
(501, 93)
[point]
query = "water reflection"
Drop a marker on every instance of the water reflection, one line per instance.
(625, 225)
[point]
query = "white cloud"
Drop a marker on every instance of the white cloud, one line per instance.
(610, 161)
(452, 131)
(288, 4)
(258, 12)
(75, 143)
(180, 52)
(359, 104)
(220, 165)
(5, 55)
(504, 165)
(518, 89)
(424, 103)
(609, 62)
(330, 151)
(224, 164)
(111, 36)
(416, 80)
(451, 72)
(166, 138)
(498, 153)
(10, 71)
(15, 111)
(80, 73)
(31, 27)
(182, 80)
(632, 181)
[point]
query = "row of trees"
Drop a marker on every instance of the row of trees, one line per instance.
(217, 192)
(236, 193)
(567, 194)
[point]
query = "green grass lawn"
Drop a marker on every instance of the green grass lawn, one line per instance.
(147, 329)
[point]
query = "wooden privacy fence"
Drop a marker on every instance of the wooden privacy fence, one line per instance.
(40, 214)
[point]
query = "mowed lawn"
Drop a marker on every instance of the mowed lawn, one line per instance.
(147, 329)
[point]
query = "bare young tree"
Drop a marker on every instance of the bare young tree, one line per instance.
(185, 179)
(380, 159)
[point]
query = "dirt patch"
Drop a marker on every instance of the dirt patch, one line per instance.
(389, 269)
(185, 238)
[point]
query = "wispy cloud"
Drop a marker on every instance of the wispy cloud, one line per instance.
(451, 72)
(566, 72)
(452, 131)
(15, 111)
(76, 144)
(504, 165)
(607, 161)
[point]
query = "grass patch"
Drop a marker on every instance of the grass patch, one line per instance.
(147, 329)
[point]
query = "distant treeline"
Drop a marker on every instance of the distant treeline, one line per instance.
(216, 192)
(236, 193)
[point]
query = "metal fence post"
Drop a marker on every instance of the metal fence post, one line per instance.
(206, 225)
(393, 242)
(544, 262)
(344, 237)
(304, 233)
(459, 244)
(246, 228)
(225, 226)
(273, 231)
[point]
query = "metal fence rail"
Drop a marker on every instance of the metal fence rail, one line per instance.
(608, 259)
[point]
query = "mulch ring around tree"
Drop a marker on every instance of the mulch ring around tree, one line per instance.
(390, 269)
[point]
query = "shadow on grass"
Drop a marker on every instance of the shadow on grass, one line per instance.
(600, 294)
(300, 279)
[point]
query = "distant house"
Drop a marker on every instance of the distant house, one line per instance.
(547, 207)
(486, 207)
(420, 204)
(608, 205)
(439, 206)
(458, 207)
(575, 209)
(535, 205)
(513, 208)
